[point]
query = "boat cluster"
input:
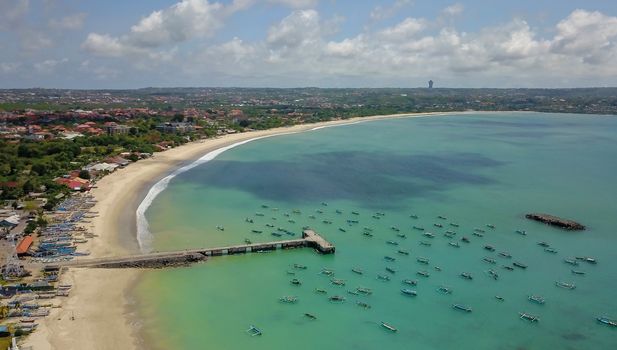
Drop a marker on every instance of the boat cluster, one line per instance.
(442, 229)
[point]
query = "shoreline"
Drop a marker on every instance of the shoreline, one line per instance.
(101, 303)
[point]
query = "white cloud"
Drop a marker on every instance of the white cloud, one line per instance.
(49, 66)
(405, 30)
(12, 12)
(380, 12)
(9, 67)
(298, 4)
(454, 10)
(592, 36)
(71, 22)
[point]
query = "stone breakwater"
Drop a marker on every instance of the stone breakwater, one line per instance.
(556, 221)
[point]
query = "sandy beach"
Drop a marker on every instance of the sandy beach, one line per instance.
(99, 314)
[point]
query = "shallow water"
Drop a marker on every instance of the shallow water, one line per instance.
(473, 169)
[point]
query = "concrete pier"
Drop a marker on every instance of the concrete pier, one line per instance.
(309, 239)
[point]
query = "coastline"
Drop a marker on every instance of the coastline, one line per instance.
(104, 317)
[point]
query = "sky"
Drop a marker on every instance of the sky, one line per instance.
(113, 44)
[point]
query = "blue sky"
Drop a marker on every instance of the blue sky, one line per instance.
(291, 43)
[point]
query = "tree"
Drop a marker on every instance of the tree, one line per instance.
(27, 187)
(84, 174)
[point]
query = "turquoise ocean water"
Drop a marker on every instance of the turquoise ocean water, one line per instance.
(473, 169)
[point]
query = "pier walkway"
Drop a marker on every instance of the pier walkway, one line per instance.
(309, 239)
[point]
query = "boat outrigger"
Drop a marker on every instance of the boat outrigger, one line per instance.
(444, 290)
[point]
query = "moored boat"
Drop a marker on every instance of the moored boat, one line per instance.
(519, 265)
(253, 331)
(577, 272)
(466, 275)
(408, 291)
(461, 307)
(422, 260)
(528, 317)
(337, 298)
(607, 321)
(363, 304)
(536, 299)
(565, 285)
(410, 282)
(357, 270)
(288, 299)
(403, 252)
(388, 327)
(423, 273)
(444, 290)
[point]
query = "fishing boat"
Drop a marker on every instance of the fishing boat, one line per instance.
(466, 275)
(355, 213)
(493, 274)
(489, 260)
(319, 211)
(437, 268)
(607, 321)
(392, 242)
(521, 232)
(363, 304)
(500, 298)
(291, 221)
(437, 225)
(311, 316)
(519, 265)
(342, 229)
(295, 282)
(428, 235)
(259, 214)
(479, 230)
(264, 206)
(449, 234)
(337, 282)
(276, 234)
(536, 299)
(220, 228)
(364, 290)
(410, 292)
(528, 317)
(320, 291)
(577, 272)
(570, 261)
(587, 259)
(394, 228)
(353, 222)
(300, 267)
(368, 229)
(454, 244)
(338, 211)
(424, 243)
(490, 226)
(253, 331)
(442, 217)
(288, 299)
(403, 252)
(256, 231)
(477, 234)
(419, 228)
(376, 217)
(312, 216)
(565, 285)
(550, 250)
(391, 270)
(401, 235)
(490, 248)
(413, 216)
(454, 224)
(422, 260)
(357, 270)
(411, 282)
(423, 273)
(465, 239)
(327, 222)
(247, 241)
(389, 258)
(327, 272)
(368, 234)
(269, 225)
(505, 255)
(383, 277)
(249, 220)
(543, 244)
(337, 298)
(353, 292)
(388, 327)
(444, 290)
(291, 273)
(509, 268)
(461, 307)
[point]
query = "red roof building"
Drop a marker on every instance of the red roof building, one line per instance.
(24, 245)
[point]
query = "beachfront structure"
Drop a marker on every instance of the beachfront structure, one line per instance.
(24, 245)
(177, 128)
(10, 221)
(108, 167)
(116, 129)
